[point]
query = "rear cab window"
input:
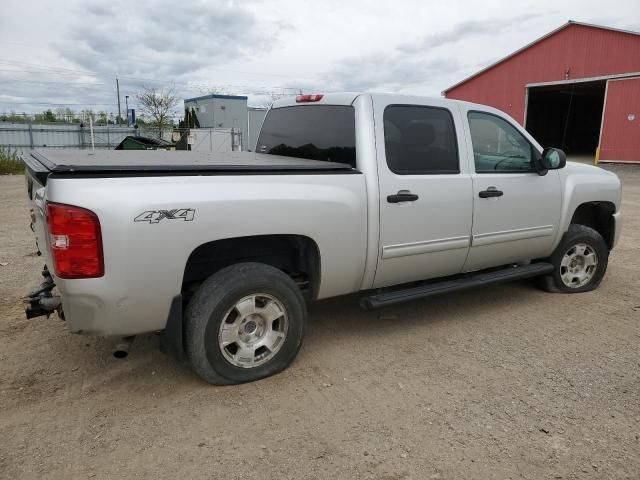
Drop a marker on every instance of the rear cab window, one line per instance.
(420, 140)
(315, 132)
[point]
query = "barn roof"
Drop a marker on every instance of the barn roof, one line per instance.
(529, 45)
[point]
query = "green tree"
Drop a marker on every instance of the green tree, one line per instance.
(49, 116)
(16, 117)
(102, 119)
(190, 119)
(46, 116)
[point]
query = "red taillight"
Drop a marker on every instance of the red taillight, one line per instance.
(75, 241)
(316, 97)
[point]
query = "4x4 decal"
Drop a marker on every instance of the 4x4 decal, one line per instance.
(154, 216)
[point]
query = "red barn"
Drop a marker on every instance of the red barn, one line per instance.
(577, 88)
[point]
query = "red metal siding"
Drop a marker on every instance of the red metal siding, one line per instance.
(584, 51)
(620, 137)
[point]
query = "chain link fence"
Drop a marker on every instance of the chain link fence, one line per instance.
(26, 136)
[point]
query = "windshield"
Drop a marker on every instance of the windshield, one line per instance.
(316, 132)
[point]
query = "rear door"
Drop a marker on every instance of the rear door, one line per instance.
(516, 211)
(425, 190)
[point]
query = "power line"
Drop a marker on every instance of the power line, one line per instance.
(186, 88)
(46, 67)
(54, 104)
(80, 113)
(17, 70)
(137, 61)
(60, 82)
(193, 86)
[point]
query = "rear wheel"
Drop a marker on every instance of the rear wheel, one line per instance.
(580, 261)
(244, 323)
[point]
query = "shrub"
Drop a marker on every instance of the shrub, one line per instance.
(10, 161)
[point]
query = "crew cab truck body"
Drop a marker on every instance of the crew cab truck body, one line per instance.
(345, 193)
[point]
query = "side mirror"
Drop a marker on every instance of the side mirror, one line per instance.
(553, 158)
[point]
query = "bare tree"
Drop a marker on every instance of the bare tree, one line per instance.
(216, 91)
(60, 114)
(266, 100)
(158, 104)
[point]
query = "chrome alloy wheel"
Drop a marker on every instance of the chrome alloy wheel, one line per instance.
(578, 265)
(253, 330)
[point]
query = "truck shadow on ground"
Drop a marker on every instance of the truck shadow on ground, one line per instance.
(339, 332)
(343, 315)
(337, 318)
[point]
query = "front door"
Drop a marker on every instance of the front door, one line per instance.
(516, 212)
(425, 191)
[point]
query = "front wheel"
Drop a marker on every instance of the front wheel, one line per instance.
(244, 323)
(580, 261)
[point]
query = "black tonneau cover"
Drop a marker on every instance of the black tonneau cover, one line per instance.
(140, 162)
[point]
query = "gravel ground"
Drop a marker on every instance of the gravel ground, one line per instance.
(499, 382)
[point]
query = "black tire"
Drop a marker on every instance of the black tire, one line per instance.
(212, 301)
(576, 235)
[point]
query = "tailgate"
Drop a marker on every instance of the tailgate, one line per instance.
(36, 178)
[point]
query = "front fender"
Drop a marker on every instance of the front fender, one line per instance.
(586, 184)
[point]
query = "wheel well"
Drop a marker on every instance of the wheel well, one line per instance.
(597, 215)
(296, 255)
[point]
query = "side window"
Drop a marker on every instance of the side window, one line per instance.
(420, 140)
(498, 146)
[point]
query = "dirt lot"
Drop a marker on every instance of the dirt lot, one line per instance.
(499, 382)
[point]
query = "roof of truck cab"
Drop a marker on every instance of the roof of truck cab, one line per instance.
(121, 161)
(347, 98)
(340, 98)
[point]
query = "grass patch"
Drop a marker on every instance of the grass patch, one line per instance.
(10, 161)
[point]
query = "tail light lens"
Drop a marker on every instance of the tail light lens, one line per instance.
(75, 241)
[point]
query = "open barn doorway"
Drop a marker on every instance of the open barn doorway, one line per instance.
(567, 116)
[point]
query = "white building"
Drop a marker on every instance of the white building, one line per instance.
(222, 111)
(256, 117)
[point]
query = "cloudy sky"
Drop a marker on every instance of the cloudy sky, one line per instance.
(68, 53)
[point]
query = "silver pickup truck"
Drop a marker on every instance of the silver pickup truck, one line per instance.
(397, 197)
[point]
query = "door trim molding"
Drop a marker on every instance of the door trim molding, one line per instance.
(429, 246)
(511, 235)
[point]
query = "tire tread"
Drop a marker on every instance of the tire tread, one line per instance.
(575, 234)
(214, 292)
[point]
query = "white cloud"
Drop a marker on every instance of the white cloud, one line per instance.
(71, 53)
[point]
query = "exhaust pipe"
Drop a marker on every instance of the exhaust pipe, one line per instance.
(122, 347)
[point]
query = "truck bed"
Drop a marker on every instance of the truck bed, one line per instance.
(142, 162)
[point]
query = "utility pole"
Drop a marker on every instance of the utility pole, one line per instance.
(118, 90)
